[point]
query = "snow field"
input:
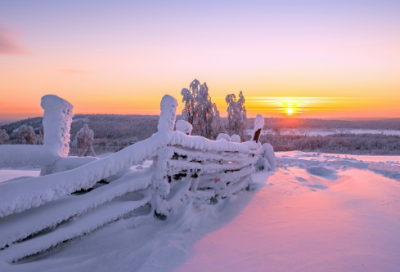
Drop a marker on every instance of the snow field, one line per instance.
(299, 218)
(303, 219)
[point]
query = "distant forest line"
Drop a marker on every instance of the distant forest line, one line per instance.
(114, 132)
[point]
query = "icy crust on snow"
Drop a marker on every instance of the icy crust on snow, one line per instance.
(57, 121)
(25, 194)
(20, 225)
(13, 156)
(389, 170)
(203, 144)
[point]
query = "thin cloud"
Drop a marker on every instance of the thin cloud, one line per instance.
(72, 71)
(9, 44)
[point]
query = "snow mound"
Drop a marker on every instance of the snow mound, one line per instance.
(235, 138)
(321, 171)
(183, 126)
(223, 136)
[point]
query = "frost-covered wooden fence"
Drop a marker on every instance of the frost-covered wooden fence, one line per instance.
(98, 191)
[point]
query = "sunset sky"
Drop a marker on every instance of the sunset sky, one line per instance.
(319, 59)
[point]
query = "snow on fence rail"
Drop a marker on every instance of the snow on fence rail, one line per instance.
(183, 166)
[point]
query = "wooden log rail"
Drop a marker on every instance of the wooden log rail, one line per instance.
(184, 166)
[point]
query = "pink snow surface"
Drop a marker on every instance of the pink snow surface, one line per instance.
(304, 222)
(12, 174)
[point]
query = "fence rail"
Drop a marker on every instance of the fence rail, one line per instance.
(89, 188)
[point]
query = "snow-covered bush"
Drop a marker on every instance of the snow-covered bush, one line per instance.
(200, 111)
(4, 138)
(57, 121)
(237, 115)
(184, 127)
(39, 139)
(24, 135)
(224, 136)
(235, 138)
(84, 141)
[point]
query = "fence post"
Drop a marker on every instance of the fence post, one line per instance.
(160, 182)
(258, 126)
(57, 119)
(168, 106)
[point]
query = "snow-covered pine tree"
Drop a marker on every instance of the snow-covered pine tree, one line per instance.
(200, 111)
(4, 136)
(24, 135)
(84, 141)
(237, 115)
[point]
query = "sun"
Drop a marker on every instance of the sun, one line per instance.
(289, 111)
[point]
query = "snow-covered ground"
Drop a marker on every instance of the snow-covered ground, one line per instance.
(315, 213)
(325, 132)
(8, 174)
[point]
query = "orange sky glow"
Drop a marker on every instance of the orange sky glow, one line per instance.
(337, 59)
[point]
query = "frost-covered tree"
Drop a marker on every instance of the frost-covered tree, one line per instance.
(200, 111)
(4, 136)
(216, 124)
(84, 141)
(189, 98)
(237, 114)
(39, 138)
(24, 135)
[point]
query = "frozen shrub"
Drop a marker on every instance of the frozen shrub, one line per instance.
(224, 136)
(184, 127)
(24, 135)
(84, 141)
(39, 139)
(3, 136)
(235, 138)
(237, 115)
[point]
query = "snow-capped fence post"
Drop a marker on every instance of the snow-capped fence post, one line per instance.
(57, 121)
(258, 126)
(160, 182)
